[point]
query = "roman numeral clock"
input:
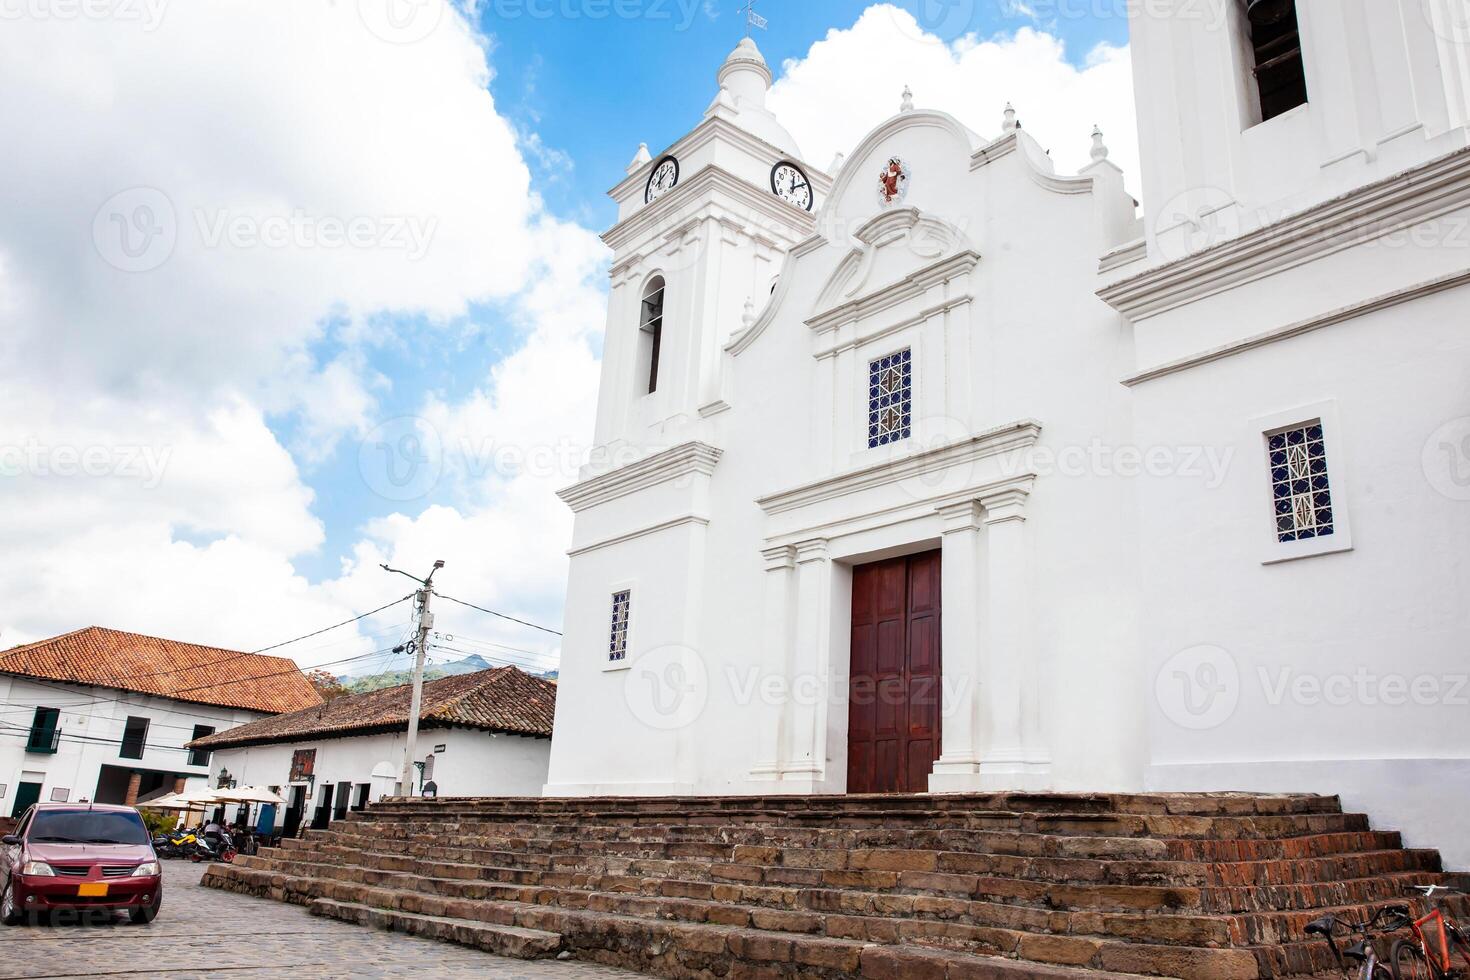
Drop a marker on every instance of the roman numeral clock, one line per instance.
(789, 182)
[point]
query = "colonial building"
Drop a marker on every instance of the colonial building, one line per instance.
(103, 715)
(946, 471)
(482, 734)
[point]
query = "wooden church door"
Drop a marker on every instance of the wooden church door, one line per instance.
(895, 697)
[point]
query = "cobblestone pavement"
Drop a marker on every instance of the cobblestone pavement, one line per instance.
(207, 933)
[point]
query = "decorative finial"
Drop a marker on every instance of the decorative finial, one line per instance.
(1099, 148)
(908, 100)
(640, 158)
(749, 317)
(1010, 124)
(837, 163)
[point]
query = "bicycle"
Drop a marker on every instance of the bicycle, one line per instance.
(1430, 954)
(1364, 952)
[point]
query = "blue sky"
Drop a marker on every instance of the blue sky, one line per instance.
(582, 90)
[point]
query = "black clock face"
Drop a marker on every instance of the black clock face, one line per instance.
(662, 180)
(791, 185)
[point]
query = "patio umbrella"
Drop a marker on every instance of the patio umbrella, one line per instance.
(248, 794)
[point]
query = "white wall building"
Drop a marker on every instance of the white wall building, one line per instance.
(947, 471)
(104, 715)
(482, 734)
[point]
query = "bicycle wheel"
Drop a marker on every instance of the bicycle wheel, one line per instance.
(1408, 962)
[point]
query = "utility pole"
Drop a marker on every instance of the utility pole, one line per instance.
(421, 645)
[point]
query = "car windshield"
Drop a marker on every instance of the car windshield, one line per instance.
(87, 827)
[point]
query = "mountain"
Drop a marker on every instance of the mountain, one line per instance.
(362, 683)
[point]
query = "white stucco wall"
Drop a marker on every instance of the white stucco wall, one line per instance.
(1126, 622)
(92, 722)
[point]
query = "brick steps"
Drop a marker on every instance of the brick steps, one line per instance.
(664, 947)
(514, 941)
(1006, 885)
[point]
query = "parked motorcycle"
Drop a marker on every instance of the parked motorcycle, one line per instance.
(213, 847)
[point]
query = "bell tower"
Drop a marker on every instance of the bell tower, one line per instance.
(1253, 109)
(702, 228)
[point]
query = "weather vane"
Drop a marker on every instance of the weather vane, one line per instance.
(752, 19)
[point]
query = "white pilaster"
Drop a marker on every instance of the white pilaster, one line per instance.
(804, 760)
(961, 582)
(1008, 667)
(778, 652)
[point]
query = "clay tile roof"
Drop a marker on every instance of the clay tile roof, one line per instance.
(504, 699)
(166, 668)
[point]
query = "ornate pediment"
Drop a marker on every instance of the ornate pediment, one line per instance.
(886, 251)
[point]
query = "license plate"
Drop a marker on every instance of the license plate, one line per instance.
(92, 889)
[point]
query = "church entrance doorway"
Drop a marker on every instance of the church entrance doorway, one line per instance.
(894, 695)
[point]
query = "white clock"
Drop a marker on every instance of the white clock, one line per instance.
(790, 183)
(662, 180)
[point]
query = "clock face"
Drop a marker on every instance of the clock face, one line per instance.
(792, 186)
(662, 180)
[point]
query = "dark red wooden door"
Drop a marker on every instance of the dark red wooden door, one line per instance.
(894, 691)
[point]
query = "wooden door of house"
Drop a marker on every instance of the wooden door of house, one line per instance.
(894, 688)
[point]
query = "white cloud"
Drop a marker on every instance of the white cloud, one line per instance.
(208, 218)
(852, 80)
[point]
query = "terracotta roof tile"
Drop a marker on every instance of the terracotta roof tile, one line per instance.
(166, 668)
(505, 699)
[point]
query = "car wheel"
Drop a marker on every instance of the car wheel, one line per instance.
(10, 915)
(144, 914)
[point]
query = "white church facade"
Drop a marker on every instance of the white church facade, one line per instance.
(947, 472)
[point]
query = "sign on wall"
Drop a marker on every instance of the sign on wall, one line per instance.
(303, 764)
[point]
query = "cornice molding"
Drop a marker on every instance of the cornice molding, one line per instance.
(680, 521)
(685, 459)
(891, 127)
(709, 129)
(1342, 315)
(892, 294)
(1015, 435)
(1004, 146)
(677, 209)
(1128, 254)
(1365, 214)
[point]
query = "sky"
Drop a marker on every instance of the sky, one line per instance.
(293, 288)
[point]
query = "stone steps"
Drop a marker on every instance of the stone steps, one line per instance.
(671, 947)
(1190, 886)
(502, 940)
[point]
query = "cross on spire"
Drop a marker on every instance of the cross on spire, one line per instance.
(752, 19)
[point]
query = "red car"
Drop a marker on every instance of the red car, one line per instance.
(79, 857)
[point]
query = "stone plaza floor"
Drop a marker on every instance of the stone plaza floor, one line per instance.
(205, 932)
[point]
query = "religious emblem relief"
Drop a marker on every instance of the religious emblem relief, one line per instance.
(893, 182)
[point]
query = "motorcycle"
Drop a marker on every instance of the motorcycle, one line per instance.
(213, 847)
(176, 844)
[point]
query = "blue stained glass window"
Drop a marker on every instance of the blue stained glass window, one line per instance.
(617, 646)
(1298, 463)
(890, 398)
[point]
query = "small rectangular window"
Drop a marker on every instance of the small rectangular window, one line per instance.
(200, 757)
(1299, 485)
(135, 738)
(890, 398)
(617, 647)
(1276, 46)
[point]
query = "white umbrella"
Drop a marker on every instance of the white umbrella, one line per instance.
(248, 794)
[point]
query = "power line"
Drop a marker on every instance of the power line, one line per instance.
(508, 660)
(461, 638)
(348, 622)
(492, 612)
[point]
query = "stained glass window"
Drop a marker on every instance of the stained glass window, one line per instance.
(1299, 485)
(617, 646)
(890, 398)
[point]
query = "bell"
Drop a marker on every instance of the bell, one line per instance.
(1264, 13)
